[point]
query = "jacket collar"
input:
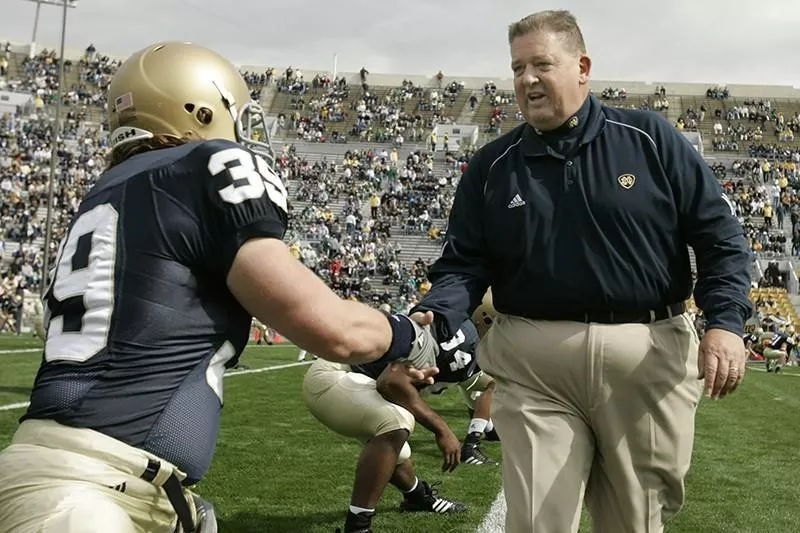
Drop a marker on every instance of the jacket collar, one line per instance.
(584, 126)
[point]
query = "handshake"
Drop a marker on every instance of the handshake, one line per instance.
(425, 348)
(432, 347)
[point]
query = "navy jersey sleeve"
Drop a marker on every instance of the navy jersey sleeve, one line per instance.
(710, 226)
(242, 199)
(456, 360)
(460, 276)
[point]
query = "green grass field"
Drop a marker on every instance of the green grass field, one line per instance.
(278, 470)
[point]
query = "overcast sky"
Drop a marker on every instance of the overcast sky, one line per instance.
(639, 40)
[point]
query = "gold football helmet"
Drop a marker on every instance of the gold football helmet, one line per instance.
(484, 315)
(184, 90)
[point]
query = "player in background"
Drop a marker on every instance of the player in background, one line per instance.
(777, 348)
(170, 254)
(478, 391)
(379, 405)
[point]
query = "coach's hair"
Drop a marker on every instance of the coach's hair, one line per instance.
(156, 142)
(560, 22)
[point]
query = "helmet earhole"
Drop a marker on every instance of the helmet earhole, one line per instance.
(204, 115)
(188, 107)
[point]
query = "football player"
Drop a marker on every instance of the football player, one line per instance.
(170, 254)
(378, 404)
(753, 342)
(777, 347)
(477, 390)
(265, 334)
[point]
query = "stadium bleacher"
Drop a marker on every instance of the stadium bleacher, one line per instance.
(749, 135)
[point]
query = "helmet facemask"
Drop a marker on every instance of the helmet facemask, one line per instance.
(250, 126)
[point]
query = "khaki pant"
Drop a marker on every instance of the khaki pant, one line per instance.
(348, 403)
(57, 479)
(770, 354)
(601, 410)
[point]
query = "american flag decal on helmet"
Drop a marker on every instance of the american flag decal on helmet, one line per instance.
(123, 102)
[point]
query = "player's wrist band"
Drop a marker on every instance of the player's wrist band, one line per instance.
(402, 337)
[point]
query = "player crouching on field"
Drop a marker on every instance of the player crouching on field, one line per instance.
(378, 403)
(478, 391)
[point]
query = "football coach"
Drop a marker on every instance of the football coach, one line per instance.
(579, 220)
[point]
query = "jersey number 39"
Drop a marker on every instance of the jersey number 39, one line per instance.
(82, 291)
(250, 177)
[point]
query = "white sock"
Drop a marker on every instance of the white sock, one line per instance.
(416, 482)
(477, 425)
(360, 510)
(489, 426)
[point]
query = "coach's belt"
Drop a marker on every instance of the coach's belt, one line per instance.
(172, 486)
(624, 317)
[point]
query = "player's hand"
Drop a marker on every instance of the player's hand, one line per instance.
(450, 446)
(721, 361)
(420, 377)
(423, 319)
(425, 348)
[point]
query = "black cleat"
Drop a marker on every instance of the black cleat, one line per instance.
(430, 502)
(492, 436)
(357, 523)
(471, 454)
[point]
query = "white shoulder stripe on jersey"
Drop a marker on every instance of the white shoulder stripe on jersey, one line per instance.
(649, 138)
(501, 156)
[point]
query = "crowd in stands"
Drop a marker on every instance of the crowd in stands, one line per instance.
(373, 115)
(347, 212)
(344, 214)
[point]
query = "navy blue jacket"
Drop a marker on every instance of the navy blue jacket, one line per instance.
(595, 217)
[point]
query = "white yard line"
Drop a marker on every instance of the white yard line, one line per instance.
(22, 405)
(20, 350)
(783, 373)
(495, 520)
(13, 406)
(31, 350)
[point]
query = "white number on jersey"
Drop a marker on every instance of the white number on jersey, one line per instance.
(460, 360)
(457, 339)
(216, 368)
(249, 179)
(83, 288)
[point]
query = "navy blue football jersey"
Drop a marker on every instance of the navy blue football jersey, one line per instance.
(750, 338)
(456, 360)
(780, 341)
(140, 322)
